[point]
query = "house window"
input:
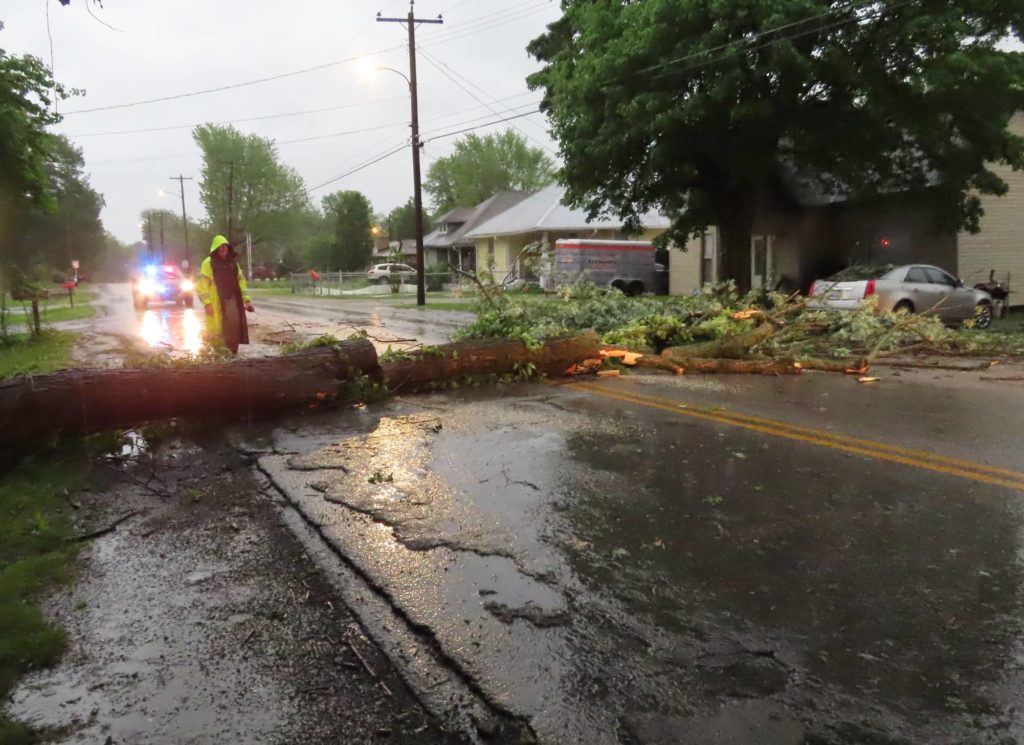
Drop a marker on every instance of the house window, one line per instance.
(443, 229)
(490, 253)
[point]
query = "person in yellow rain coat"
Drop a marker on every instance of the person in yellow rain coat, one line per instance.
(222, 290)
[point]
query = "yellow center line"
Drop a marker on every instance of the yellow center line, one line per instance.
(776, 424)
(877, 450)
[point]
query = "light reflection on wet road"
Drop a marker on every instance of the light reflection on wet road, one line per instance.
(172, 329)
(617, 573)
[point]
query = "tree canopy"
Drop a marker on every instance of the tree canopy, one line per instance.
(483, 165)
(351, 217)
(697, 108)
(401, 222)
(70, 228)
(269, 199)
(26, 90)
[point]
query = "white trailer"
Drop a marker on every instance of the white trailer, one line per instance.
(625, 265)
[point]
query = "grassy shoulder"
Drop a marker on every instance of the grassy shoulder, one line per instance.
(58, 308)
(21, 354)
(36, 556)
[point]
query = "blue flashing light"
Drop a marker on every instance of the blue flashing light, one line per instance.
(150, 270)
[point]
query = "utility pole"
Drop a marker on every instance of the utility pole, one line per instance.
(163, 248)
(149, 234)
(184, 218)
(411, 21)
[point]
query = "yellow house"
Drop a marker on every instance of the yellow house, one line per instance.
(542, 217)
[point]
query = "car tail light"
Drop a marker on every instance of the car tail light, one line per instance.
(810, 292)
(869, 288)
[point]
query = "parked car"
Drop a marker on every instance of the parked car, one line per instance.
(384, 273)
(160, 283)
(913, 288)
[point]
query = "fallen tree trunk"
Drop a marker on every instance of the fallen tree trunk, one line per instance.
(697, 365)
(37, 407)
(488, 357)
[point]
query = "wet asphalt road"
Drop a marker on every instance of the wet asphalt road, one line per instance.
(641, 561)
(683, 560)
(177, 330)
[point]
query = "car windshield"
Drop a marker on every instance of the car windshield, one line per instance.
(862, 272)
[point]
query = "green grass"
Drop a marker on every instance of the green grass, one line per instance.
(35, 557)
(21, 354)
(57, 308)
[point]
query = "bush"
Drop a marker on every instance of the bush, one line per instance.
(437, 275)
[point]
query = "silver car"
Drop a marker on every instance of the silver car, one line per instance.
(914, 288)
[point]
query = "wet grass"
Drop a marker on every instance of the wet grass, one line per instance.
(35, 557)
(56, 309)
(21, 354)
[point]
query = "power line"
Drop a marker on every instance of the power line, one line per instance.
(522, 13)
(485, 124)
(488, 20)
(359, 168)
(240, 121)
(233, 86)
(754, 37)
(441, 67)
(338, 134)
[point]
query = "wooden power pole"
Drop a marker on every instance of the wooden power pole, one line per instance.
(184, 218)
(411, 21)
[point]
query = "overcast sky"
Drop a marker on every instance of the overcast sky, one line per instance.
(171, 47)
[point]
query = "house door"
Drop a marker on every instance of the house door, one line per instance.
(761, 261)
(709, 259)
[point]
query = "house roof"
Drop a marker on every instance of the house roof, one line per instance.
(544, 211)
(457, 216)
(473, 216)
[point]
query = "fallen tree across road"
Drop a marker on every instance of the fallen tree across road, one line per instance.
(35, 409)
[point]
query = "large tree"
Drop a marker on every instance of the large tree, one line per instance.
(481, 166)
(698, 108)
(350, 217)
(401, 222)
(26, 91)
(69, 227)
(243, 174)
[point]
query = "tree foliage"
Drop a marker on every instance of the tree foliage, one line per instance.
(69, 227)
(483, 165)
(350, 216)
(172, 247)
(269, 199)
(26, 90)
(698, 108)
(401, 222)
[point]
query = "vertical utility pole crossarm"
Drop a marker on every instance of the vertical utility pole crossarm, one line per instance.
(184, 218)
(411, 21)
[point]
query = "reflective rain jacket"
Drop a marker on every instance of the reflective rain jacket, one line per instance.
(206, 289)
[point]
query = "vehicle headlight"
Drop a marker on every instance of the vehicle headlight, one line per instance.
(147, 286)
(187, 285)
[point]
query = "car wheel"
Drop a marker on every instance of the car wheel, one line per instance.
(904, 306)
(982, 315)
(383, 281)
